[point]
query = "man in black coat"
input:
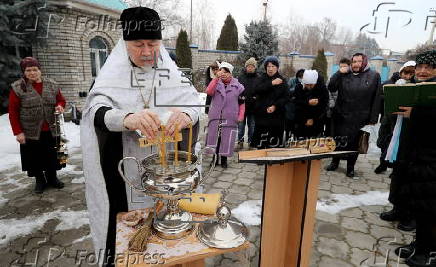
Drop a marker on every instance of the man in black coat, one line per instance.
(417, 155)
(248, 80)
(271, 92)
(311, 99)
(357, 105)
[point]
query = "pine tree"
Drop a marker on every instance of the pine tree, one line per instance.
(183, 52)
(320, 63)
(260, 41)
(228, 39)
(17, 16)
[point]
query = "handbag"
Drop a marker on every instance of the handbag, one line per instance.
(363, 142)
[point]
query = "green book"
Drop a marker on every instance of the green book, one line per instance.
(409, 95)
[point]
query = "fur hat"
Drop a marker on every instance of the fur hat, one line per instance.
(251, 61)
(428, 57)
(273, 60)
(141, 23)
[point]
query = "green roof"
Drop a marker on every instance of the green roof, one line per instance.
(111, 4)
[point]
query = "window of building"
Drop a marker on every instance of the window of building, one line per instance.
(99, 53)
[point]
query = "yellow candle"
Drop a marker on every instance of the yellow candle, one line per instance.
(176, 146)
(162, 148)
(190, 143)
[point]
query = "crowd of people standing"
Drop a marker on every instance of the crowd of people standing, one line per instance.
(277, 110)
(305, 107)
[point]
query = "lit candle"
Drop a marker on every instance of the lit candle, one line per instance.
(190, 143)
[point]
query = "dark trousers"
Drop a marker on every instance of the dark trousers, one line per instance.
(398, 200)
(267, 136)
(249, 121)
(351, 143)
(38, 156)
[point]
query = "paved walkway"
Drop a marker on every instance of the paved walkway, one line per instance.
(55, 224)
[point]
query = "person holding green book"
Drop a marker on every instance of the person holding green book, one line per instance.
(416, 163)
(399, 212)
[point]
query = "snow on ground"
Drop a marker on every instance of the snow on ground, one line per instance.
(10, 163)
(22, 227)
(10, 149)
(12, 184)
(339, 202)
(249, 212)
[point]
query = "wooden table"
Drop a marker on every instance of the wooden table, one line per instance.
(289, 206)
(186, 252)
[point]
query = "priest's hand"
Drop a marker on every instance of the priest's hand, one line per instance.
(145, 121)
(178, 120)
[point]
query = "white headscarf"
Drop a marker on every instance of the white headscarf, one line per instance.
(310, 77)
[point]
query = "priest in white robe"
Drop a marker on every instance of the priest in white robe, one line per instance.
(138, 88)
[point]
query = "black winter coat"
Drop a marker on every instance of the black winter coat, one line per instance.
(420, 172)
(304, 111)
(248, 80)
(417, 157)
(267, 95)
(358, 102)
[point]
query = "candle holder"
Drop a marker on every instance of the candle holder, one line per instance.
(169, 175)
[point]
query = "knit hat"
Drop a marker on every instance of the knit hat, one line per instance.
(428, 57)
(408, 64)
(310, 77)
(271, 59)
(226, 65)
(251, 61)
(29, 62)
(141, 23)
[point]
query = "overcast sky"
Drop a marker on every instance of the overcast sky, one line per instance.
(347, 13)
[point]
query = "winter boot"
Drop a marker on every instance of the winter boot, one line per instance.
(382, 167)
(333, 166)
(224, 162)
(39, 184)
(52, 180)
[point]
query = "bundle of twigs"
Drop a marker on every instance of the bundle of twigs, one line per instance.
(138, 242)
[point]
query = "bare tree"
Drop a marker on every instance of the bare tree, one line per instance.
(306, 38)
(327, 31)
(204, 24)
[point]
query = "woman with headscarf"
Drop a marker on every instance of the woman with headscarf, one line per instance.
(271, 94)
(311, 98)
(357, 105)
(32, 103)
(226, 110)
